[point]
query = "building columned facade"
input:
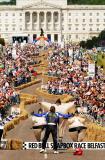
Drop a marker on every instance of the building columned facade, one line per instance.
(60, 22)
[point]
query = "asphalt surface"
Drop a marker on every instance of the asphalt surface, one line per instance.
(23, 132)
(35, 155)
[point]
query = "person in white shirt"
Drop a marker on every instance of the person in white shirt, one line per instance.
(77, 127)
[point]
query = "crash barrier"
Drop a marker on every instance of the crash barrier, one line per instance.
(28, 84)
(25, 99)
(64, 97)
(11, 124)
(11, 144)
(95, 133)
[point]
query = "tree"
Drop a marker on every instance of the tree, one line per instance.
(83, 44)
(102, 38)
(102, 35)
(95, 41)
(89, 44)
(2, 41)
(93, 2)
(11, 2)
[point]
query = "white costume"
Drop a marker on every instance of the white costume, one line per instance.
(64, 108)
(38, 123)
(77, 128)
(76, 122)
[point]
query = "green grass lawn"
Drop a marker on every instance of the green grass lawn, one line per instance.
(91, 2)
(101, 60)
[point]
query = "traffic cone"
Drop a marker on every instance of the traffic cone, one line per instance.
(78, 151)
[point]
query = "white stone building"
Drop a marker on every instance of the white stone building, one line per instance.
(60, 22)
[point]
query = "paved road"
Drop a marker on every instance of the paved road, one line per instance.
(23, 132)
(35, 155)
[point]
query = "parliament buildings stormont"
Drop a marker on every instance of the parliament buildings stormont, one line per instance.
(60, 22)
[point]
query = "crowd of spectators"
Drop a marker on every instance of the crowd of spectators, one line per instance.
(71, 77)
(16, 68)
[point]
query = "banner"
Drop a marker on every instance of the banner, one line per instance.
(66, 145)
(91, 70)
(3, 143)
(15, 110)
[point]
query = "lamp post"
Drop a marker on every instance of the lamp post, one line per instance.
(64, 42)
(73, 55)
(96, 68)
(81, 56)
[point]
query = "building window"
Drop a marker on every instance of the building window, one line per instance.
(83, 14)
(62, 27)
(83, 29)
(0, 14)
(34, 36)
(76, 29)
(90, 20)
(70, 25)
(97, 20)
(69, 37)
(13, 29)
(6, 14)
(56, 37)
(14, 25)
(90, 29)
(83, 20)
(90, 14)
(62, 37)
(90, 24)
(6, 29)
(69, 28)
(76, 20)
(13, 14)
(6, 25)
(49, 36)
(6, 20)
(97, 29)
(69, 14)
(20, 20)
(97, 14)
(13, 21)
(20, 14)
(69, 20)
(62, 19)
(76, 25)
(76, 36)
